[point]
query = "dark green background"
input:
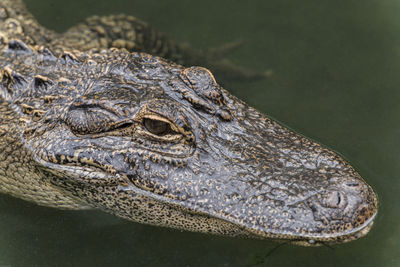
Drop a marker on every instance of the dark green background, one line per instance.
(336, 79)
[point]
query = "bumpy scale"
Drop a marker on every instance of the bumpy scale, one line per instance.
(87, 122)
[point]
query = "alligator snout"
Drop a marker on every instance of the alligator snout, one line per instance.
(334, 199)
(290, 187)
(348, 206)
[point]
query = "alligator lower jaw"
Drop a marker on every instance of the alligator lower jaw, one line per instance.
(358, 234)
(315, 240)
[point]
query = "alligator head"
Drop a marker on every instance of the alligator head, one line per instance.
(157, 143)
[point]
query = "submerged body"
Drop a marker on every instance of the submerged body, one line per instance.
(85, 123)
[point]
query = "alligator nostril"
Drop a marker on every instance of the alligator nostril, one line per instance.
(338, 199)
(333, 199)
(354, 184)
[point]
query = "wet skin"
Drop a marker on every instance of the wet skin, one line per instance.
(85, 125)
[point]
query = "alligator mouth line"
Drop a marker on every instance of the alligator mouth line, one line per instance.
(318, 239)
(107, 179)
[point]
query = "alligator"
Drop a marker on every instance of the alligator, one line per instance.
(112, 115)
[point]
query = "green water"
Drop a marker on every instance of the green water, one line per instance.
(336, 79)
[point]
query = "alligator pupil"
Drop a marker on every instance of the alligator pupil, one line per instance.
(157, 127)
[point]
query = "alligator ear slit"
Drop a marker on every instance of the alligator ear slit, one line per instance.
(205, 93)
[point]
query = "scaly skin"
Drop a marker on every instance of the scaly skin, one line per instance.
(154, 142)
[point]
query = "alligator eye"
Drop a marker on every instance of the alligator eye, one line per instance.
(157, 127)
